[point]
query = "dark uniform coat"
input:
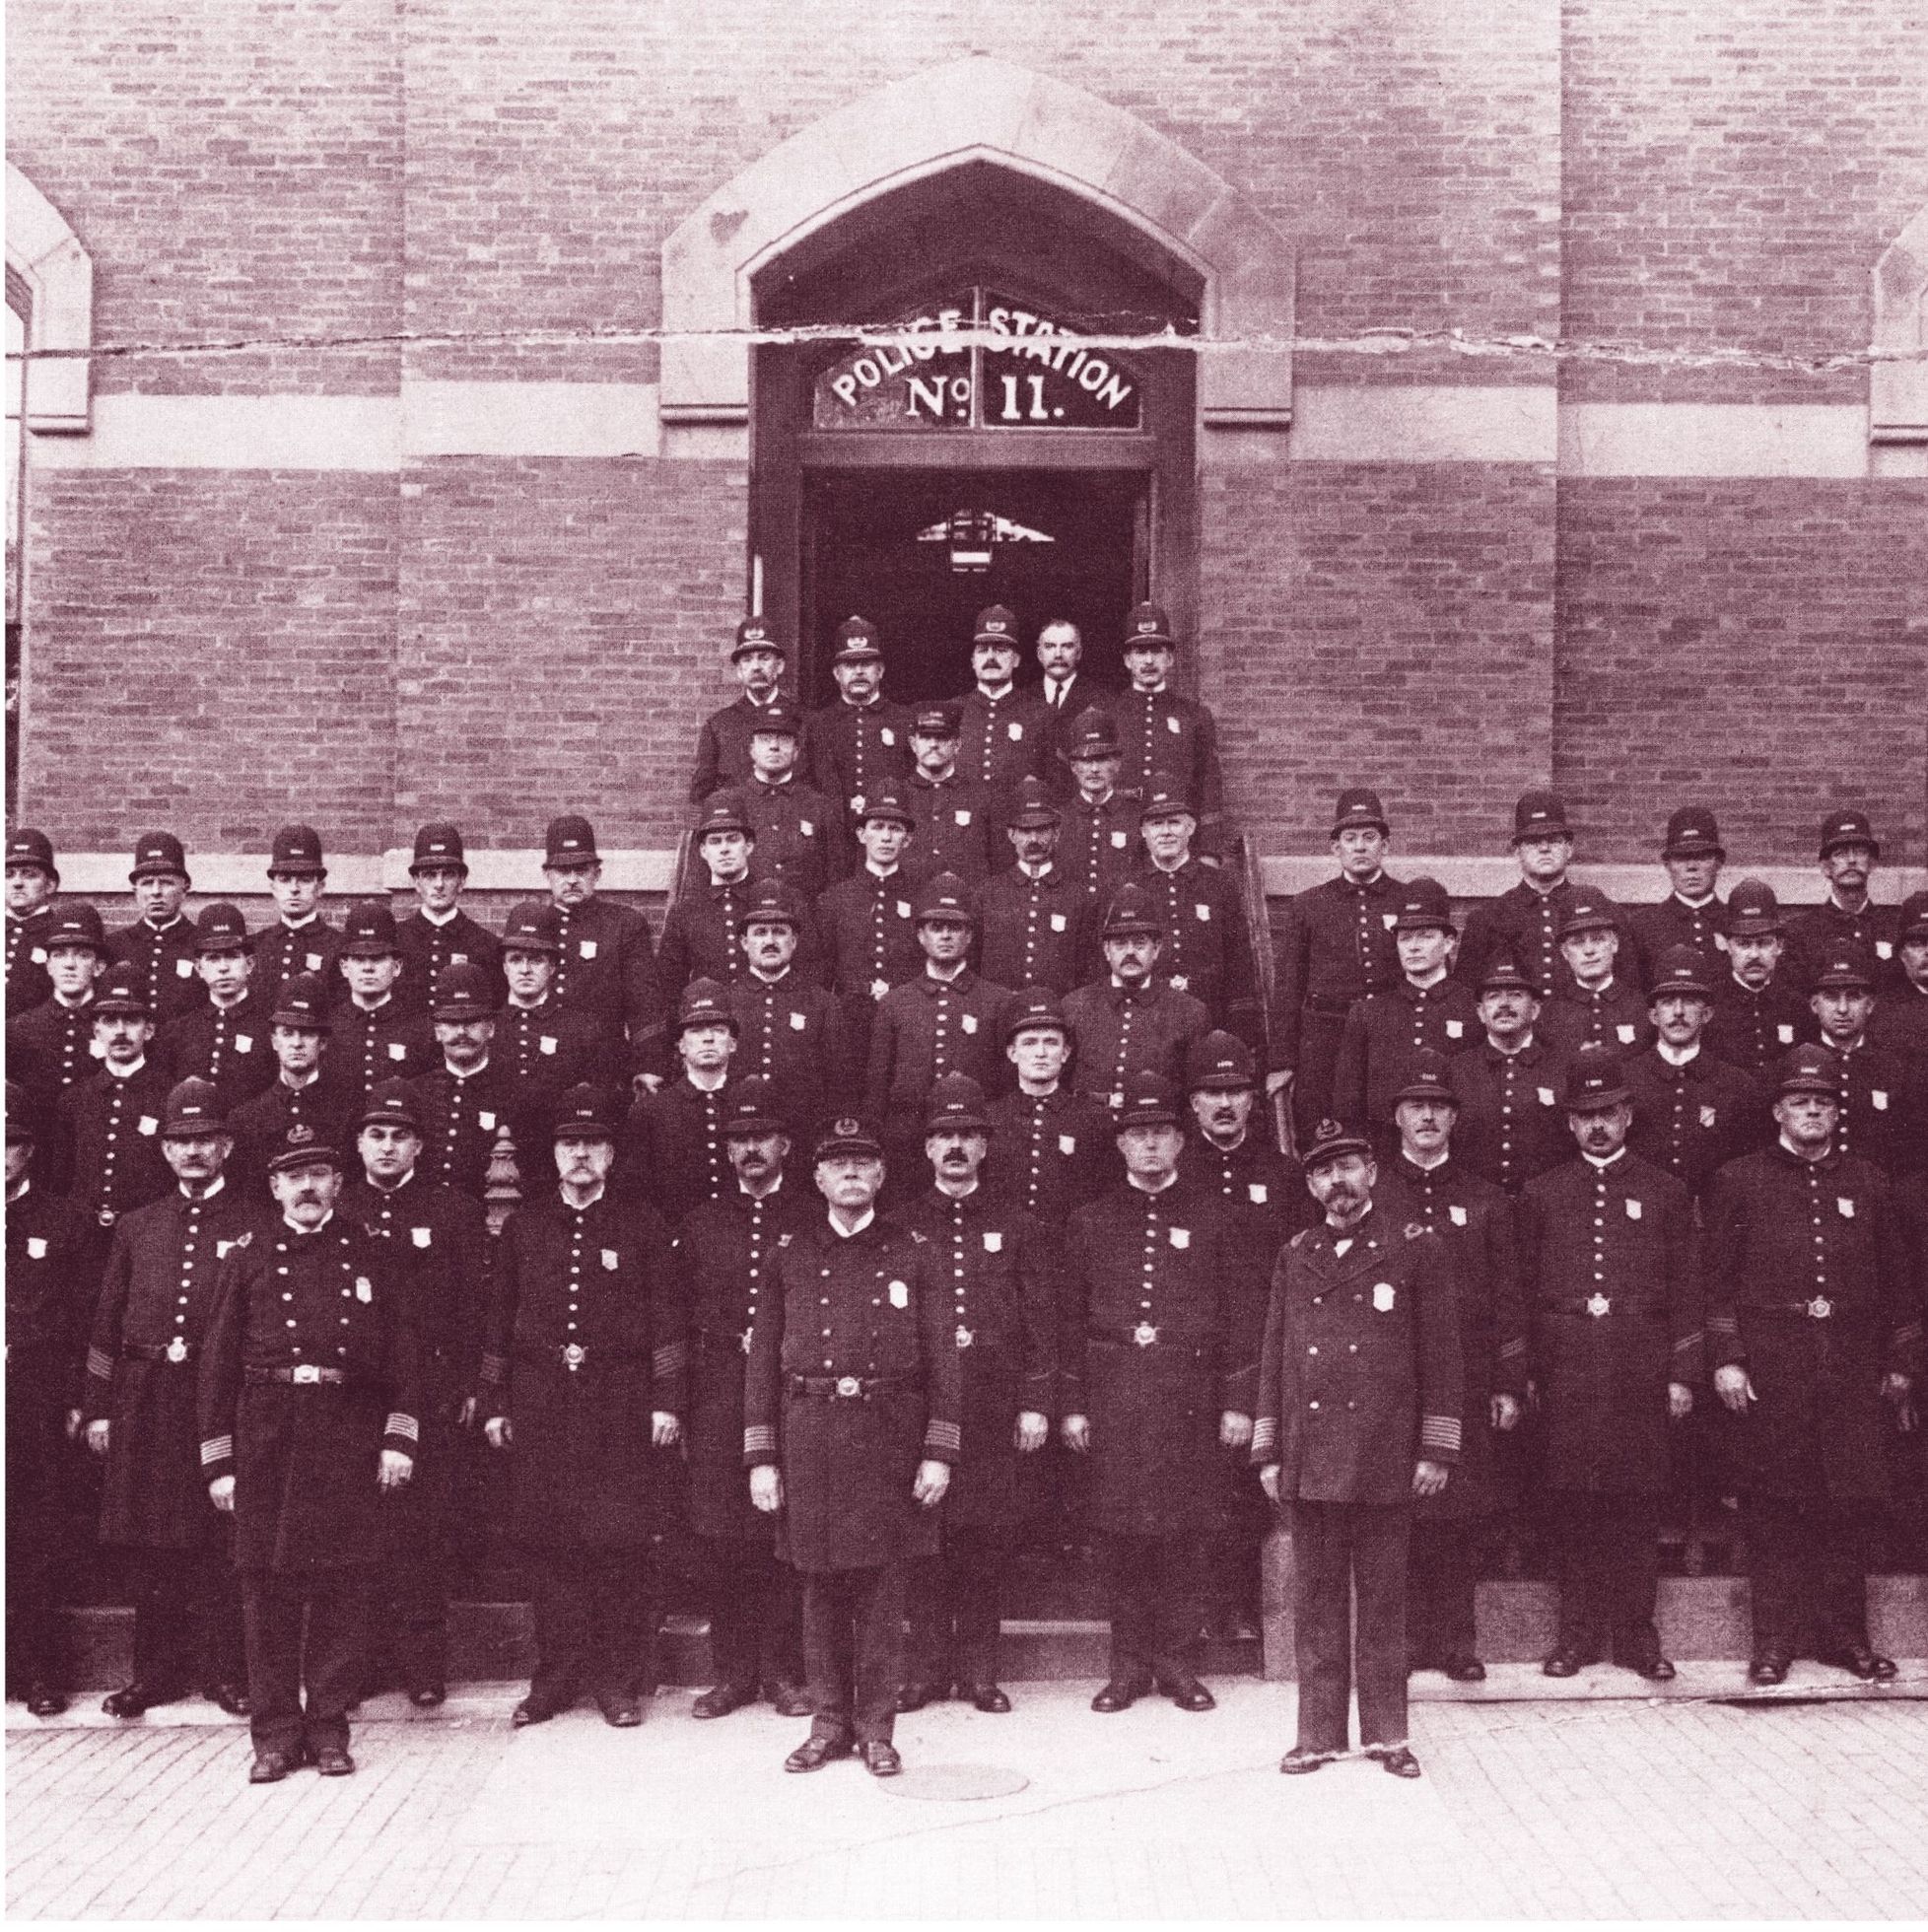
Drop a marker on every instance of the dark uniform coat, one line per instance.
(430, 948)
(1473, 1220)
(231, 1047)
(1119, 1031)
(854, 1380)
(1098, 844)
(1691, 1120)
(387, 1042)
(927, 1027)
(261, 1125)
(1260, 1188)
(1880, 1102)
(587, 1337)
(1752, 1028)
(1818, 934)
(163, 957)
(282, 950)
(793, 1034)
(1334, 946)
(992, 1271)
(1051, 1154)
(1003, 739)
(724, 1249)
(305, 1455)
(606, 972)
(800, 837)
(50, 1048)
(703, 933)
(850, 750)
(26, 960)
(1162, 1307)
(1360, 1375)
(723, 748)
(143, 1364)
(955, 827)
(1525, 924)
(672, 1147)
(1512, 1124)
(546, 1052)
(1384, 1031)
(462, 1115)
(1207, 949)
(1807, 1291)
(1612, 1284)
(108, 1136)
(1614, 1015)
(1675, 922)
(1160, 731)
(1037, 932)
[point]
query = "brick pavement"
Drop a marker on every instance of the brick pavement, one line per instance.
(1630, 1808)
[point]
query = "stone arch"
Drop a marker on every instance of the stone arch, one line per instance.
(1897, 391)
(979, 110)
(53, 275)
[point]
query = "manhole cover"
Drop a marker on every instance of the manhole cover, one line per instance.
(954, 1782)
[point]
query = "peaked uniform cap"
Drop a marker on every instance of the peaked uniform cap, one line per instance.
(19, 1120)
(781, 719)
(297, 848)
(368, 931)
(302, 1001)
(1425, 1079)
(1130, 911)
(158, 855)
(771, 900)
(704, 1002)
(1163, 794)
(1848, 970)
(1680, 969)
(1423, 905)
(1359, 807)
(120, 991)
(462, 993)
(1692, 833)
(77, 924)
(388, 1105)
(193, 1107)
(724, 811)
(301, 1147)
(1219, 1062)
(1850, 827)
(1033, 808)
(535, 926)
(955, 1102)
(888, 802)
(570, 839)
(437, 844)
(1587, 915)
(1504, 970)
(1333, 1141)
(1149, 624)
(1540, 815)
(751, 1108)
(938, 720)
(1753, 911)
(29, 845)
(1915, 916)
(1595, 1079)
(1150, 1100)
(995, 624)
(944, 896)
(756, 634)
(848, 1134)
(856, 640)
(1810, 1069)
(585, 1114)
(1034, 1008)
(1093, 734)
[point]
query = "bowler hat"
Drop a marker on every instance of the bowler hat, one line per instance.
(750, 1108)
(1691, 833)
(302, 1001)
(755, 634)
(584, 1114)
(1093, 734)
(856, 640)
(1033, 811)
(1034, 1007)
(1849, 827)
(1147, 624)
(1915, 917)
(1587, 915)
(1130, 911)
(368, 931)
(570, 841)
(937, 721)
(1359, 807)
(121, 992)
(772, 901)
(722, 811)
(780, 720)
(158, 855)
(535, 926)
(1808, 1070)
(704, 1002)
(437, 844)
(944, 896)
(1753, 912)
(222, 928)
(888, 802)
(1680, 969)
(1424, 907)
(1540, 815)
(462, 993)
(1219, 1062)
(76, 924)
(1595, 1079)
(297, 848)
(19, 1123)
(1847, 969)
(1163, 794)
(1504, 970)
(193, 1108)
(29, 845)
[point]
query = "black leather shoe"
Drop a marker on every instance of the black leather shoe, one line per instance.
(1465, 1670)
(43, 1700)
(1868, 1665)
(1401, 1763)
(1768, 1668)
(1296, 1763)
(813, 1754)
(619, 1709)
(986, 1697)
(913, 1697)
(790, 1700)
(232, 1697)
(133, 1698)
(1656, 1670)
(428, 1696)
(723, 1699)
(539, 1706)
(269, 1767)
(880, 1760)
(1188, 1694)
(1121, 1694)
(1562, 1663)
(331, 1760)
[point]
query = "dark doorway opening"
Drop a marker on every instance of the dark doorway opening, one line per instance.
(920, 553)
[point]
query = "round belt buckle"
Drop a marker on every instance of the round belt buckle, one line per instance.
(1598, 1304)
(574, 1354)
(1145, 1335)
(105, 1217)
(849, 1385)
(1820, 1308)
(177, 1349)
(965, 1337)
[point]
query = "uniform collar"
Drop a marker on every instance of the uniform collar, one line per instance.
(438, 919)
(864, 1222)
(1676, 1058)
(207, 1194)
(1601, 1166)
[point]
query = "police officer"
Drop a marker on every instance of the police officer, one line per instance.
(307, 1405)
(992, 1269)
(50, 1046)
(789, 1031)
(1691, 1113)
(108, 1133)
(1759, 1013)
(1508, 1086)
(1426, 1185)
(1848, 921)
(946, 1020)
(1900, 1018)
(50, 1286)
(851, 1413)
(703, 931)
(672, 1145)
(606, 969)
(1810, 1329)
(150, 1326)
(1002, 729)
(1050, 1146)
(1608, 1267)
(1877, 1091)
(1130, 1021)
(1158, 1375)
(299, 940)
(1427, 1008)
(437, 1242)
(757, 661)
(1692, 915)
(33, 879)
(1099, 843)
(869, 934)
(955, 808)
(224, 1038)
(1160, 731)
(1336, 947)
(1524, 919)
(437, 933)
(160, 943)
(797, 830)
(378, 1035)
(1593, 1003)
(727, 1246)
(465, 1103)
(584, 1384)
(1359, 1413)
(545, 1050)
(860, 742)
(1037, 923)
(304, 1092)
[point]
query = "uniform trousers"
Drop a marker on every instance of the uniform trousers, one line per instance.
(187, 1619)
(1807, 1562)
(37, 1462)
(755, 1617)
(1442, 1580)
(597, 1613)
(412, 1586)
(1349, 1599)
(328, 1661)
(854, 1650)
(1156, 1604)
(955, 1598)
(1608, 1574)
(1312, 1079)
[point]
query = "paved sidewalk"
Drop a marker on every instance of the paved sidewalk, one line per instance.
(1630, 1808)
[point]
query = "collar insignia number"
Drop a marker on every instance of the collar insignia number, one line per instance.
(1145, 1335)
(1820, 1308)
(177, 1349)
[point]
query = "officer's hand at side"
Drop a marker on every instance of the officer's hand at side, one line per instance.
(221, 1491)
(648, 1082)
(1235, 1430)
(98, 1434)
(1505, 1412)
(1031, 1430)
(933, 1479)
(465, 1412)
(1278, 1082)
(1428, 1479)
(497, 1432)
(1679, 1402)
(1735, 1386)
(1076, 1431)
(767, 1487)
(1268, 1480)
(665, 1429)
(396, 1469)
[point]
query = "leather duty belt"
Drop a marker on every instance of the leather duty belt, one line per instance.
(847, 1388)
